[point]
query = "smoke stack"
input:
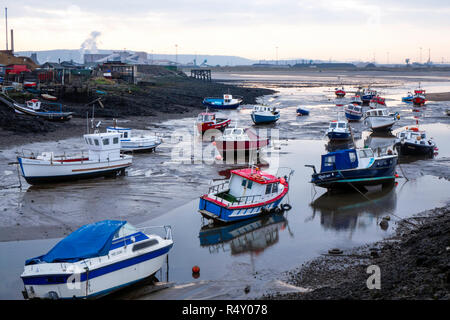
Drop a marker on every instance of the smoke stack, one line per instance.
(12, 41)
(6, 22)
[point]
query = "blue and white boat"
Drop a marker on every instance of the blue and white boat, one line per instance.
(408, 98)
(302, 112)
(339, 130)
(95, 260)
(356, 100)
(265, 114)
(131, 142)
(367, 95)
(247, 194)
(354, 168)
(227, 102)
(353, 112)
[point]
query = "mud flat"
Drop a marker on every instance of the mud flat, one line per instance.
(414, 264)
(440, 96)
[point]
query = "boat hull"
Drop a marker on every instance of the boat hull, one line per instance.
(220, 125)
(408, 148)
(380, 123)
(49, 115)
(130, 146)
(265, 119)
(338, 135)
(220, 105)
(302, 112)
(353, 116)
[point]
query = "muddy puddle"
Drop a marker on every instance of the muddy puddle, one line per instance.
(163, 188)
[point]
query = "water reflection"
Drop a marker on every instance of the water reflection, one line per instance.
(380, 142)
(353, 210)
(332, 146)
(249, 236)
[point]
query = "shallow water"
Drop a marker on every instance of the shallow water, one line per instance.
(161, 188)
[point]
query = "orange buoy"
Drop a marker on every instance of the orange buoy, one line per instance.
(195, 269)
(396, 175)
(282, 180)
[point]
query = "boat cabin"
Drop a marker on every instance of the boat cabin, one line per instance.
(377, 113)
(335, 124)
(103, 146)
(125, 133)
(412, 134)
(354, 108)
(206, 117)
(227, 98)
(263, 109)
(234, 134)
(34, 104)
(347, 159)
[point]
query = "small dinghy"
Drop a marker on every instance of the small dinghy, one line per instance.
(265, 114)
(227, 102)
(302, 112)
(102, 159)
(413, 141)
(356, 99)
(131, 142)
(377, 102)
(247, 194)
(408, 98)
(346, 169)
(380, 119)
(207, 121)
(339, 130)
(353, 112)
(239, 142)
(340, 93)
(95, 260)
(33, 108)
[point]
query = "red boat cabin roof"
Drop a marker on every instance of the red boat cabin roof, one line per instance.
(256, 175)
(207, 114)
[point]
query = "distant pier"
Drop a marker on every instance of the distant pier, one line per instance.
(202, 74)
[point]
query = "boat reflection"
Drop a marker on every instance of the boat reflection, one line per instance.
(332, 146)
(248, 236)
(352, 210)
(380, 142)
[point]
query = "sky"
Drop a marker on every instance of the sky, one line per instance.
(387, 31)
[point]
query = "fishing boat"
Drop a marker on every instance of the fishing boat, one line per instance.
(377, 102)
(339, 130)
(131, 142)
(239, 142)
(95, 260)
(353, 112)
(339, 92)
(368, 95)
(356, 99)
(413, 141)
(346, 169)
(227, 102)
(265, 114)
(408, 98)
(207, 121)
(49, 97)
(419, 97)
(302, 112)
(380, 119)
(102, 159)
(247, 194)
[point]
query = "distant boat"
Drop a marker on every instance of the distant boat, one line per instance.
(239, 141)
(354, 168)
(413, 141)
(247, 194)
(339, 92)
(208, 121)
(356, 100)
(368, 95)
(227, 102)
(380, 119)
(95, 260)
(408, 98)
(33, 108)
(353, 112)
(265, 114)
(419, 97)
(131, 142)
(377, 102)
(338, 130)
(302, 112)
(48, 97)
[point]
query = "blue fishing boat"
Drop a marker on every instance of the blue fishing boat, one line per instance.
(302, 112)
(247, 194)
(353, 168)
(368, 94)
(265, 114)
(339, 130)
(408, 98)
(227, 102)
(353, 112)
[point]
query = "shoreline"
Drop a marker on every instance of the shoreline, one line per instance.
(413, 262)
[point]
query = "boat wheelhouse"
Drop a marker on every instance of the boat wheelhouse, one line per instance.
(349, 168)
(247, 194)
(356, 99)
(339, 130)
(413, 141)
(239, 142)
(419, 97)
(380, 119)
(102, 159)
(353, 112)
(131, 142)
(208, 120)
(265, 114)
(339, 92)
(227, 102)
(95, 260)
(377, 102)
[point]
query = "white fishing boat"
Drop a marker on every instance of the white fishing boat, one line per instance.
(131, 142)
(95, 260)
(380, 119)
(103, 158)
(240, 142)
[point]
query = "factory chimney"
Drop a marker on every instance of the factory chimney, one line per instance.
(6, 22)
(12, 41)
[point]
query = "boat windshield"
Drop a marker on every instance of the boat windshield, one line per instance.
(341, 125)
(365, 153)
(333, 125)
(127, 229)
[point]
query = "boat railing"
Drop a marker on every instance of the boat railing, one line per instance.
(167, 230)
(247, 199)
(218, 187)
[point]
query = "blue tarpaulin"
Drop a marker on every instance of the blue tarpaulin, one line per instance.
(91, 240)
(339, 160)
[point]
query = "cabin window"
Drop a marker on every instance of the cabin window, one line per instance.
(146, 244)
(249, 183)
(341, 125)
(115, 140)
(90, 141)
(125, 134)
(105, 142)
(275, 188)
(402, 135)
(333, 125)
(330, 160)
(85, 139)
(380, 113)
(352, 156)
(269, 188)
(96, 142)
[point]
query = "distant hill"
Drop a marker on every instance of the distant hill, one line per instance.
(77, 56)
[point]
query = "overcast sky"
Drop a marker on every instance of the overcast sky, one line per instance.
(312, 29)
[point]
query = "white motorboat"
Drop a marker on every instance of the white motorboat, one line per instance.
(131, 142)
(102, 159)
(95, 260)
(380, 119)
(413, 141)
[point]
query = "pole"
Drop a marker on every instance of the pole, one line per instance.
(6, 22)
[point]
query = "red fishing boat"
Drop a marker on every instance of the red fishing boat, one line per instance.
(419, 97)
(377, 102)
(207, 120)
(340, 92)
